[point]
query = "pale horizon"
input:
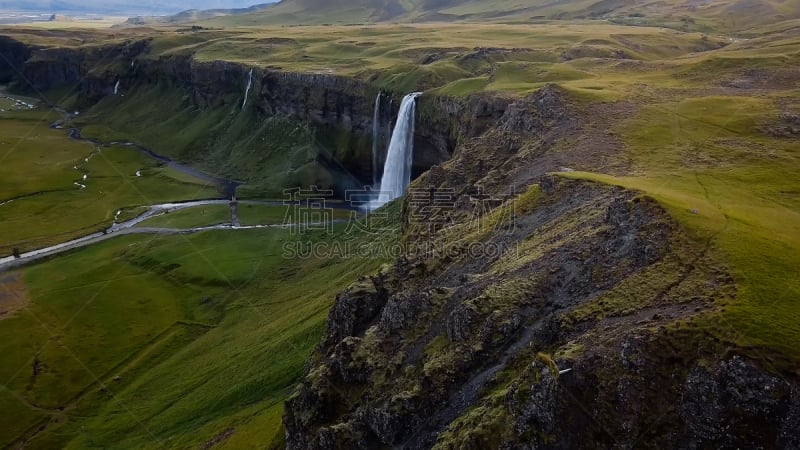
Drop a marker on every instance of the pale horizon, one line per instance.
(121, 7)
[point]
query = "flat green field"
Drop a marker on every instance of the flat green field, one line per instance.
(250, 214)
(147, 341)
(43, 205)
(198, 216)
(262, 215)
(236, 320)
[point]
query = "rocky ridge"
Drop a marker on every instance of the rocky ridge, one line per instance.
(579, 333)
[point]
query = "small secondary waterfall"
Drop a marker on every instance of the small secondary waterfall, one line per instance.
(397, 170)
(116, 88)
(247, 89)
(376, 142)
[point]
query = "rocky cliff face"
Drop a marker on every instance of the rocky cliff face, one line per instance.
(15, 54)
(560, 319)
(340, 108)
(95, 70)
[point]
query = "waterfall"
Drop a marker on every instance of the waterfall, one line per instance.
(376, 141)
(397, 169)
(116, 88)
(247, 89)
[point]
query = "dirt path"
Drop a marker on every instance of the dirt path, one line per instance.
(13, 294)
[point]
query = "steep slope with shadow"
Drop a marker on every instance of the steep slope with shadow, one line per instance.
(561, 318)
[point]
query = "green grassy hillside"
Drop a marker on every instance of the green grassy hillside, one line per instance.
(267, 155)
(723, 16)
(709, 160)
(40, 167)
(153, 342)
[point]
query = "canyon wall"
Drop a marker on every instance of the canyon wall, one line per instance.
(340, 108)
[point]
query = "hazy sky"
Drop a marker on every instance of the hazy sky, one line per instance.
(123, 6)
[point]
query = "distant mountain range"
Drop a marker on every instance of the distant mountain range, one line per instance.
(700, 15)
(122, 7)
(697, 15)
(194, 15)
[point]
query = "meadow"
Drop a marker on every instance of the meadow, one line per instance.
(191, 217)
(42, 172)
(249, 214)
(236, 320)
(268, 155)
(460, 59)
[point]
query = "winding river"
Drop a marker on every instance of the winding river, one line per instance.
(226, 186)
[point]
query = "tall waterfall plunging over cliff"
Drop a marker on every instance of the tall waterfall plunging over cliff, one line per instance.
(247, 89)
(116, 88)
(397, 170)
(377, 160)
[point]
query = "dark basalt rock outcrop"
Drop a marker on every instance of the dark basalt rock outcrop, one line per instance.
(96, 70)
(483, 332)
(569, 339)
(735, 394)
(14, 56)
(53, 67)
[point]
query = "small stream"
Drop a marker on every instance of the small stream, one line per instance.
(226, 186)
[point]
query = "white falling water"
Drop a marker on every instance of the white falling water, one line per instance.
(387, 137)
(376, 144)
(247, 89)
(116, 88)
(397, 170)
